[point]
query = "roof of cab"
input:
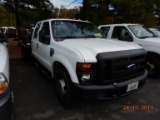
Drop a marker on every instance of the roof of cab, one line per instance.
(120, 24)
(64, 19)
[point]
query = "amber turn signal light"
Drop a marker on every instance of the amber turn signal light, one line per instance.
(3, 86)
(83, 66)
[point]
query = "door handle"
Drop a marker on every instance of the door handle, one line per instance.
(51, 51)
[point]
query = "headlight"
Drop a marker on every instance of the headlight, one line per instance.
(86, 77)
(86, 72)
(3, 83)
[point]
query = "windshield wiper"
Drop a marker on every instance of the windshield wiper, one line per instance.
(69, 37)
(145, 37)
(66, 37)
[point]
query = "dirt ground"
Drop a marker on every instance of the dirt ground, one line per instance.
(14, 49)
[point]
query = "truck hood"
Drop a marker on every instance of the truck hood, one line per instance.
(90, 47)
(150, 44)
(155, 41)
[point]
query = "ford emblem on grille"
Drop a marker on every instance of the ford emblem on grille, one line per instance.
(132, 67)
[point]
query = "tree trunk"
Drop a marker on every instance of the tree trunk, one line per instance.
(85, 5)
(16, 2)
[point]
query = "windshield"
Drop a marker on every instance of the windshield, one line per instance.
(141, 32)
(63, 29)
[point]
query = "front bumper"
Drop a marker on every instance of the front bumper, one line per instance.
(100, 92)
(5, 107)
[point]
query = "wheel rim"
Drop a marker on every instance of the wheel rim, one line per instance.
(150, 67)
(62, 87)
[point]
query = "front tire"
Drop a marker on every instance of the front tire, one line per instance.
(153, 66)
(63, 87)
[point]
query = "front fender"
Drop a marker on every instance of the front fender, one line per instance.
(151, 48)
(70, 66)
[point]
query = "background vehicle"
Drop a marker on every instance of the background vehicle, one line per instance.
(155, 31)
(83, 65)
(10, 32)
(5, 91)
(140, 35)
(25, 44)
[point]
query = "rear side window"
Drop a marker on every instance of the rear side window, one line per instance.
(122, 33)
(37, 27)
(105, 31)
(119, 31)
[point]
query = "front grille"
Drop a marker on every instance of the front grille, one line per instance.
(118, 69)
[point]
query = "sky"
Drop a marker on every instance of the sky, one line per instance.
(66, 3)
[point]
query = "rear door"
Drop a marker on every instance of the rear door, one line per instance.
(35, 40)
(44, 48)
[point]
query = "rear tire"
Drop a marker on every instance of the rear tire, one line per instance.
(63, 87)
(153, 66)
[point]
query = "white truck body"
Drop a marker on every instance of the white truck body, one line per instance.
(75, 57)
(140, 35)
(4, 58)
(5, 92)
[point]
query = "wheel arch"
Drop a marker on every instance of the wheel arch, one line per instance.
(153, 54)
(67, 69)
(153, 64)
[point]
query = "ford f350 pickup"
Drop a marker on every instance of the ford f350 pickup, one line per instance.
(138, 34)
(84, 65)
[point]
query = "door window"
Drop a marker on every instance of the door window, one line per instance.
(45, 33)
(36, 30)
(105, 31)
(121, 33)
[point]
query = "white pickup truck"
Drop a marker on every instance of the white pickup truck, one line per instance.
(138, 34)
(5, 88)
(84, 65)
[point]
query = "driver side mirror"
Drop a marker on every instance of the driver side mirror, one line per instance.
(128, 37)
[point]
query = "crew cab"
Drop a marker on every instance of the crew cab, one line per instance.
(84, 65)
(138, 34)
(5, 91)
